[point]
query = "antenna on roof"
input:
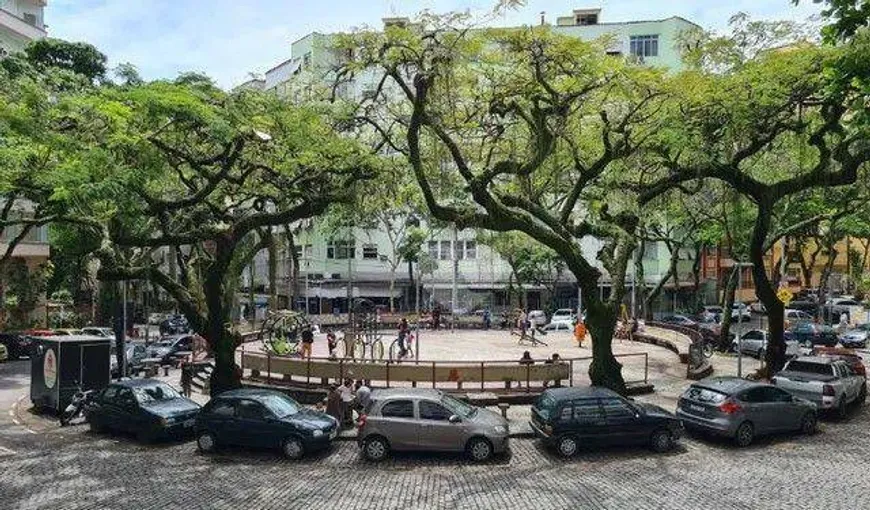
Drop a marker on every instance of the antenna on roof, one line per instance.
(543, 18)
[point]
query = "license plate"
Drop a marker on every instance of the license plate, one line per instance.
(333, 433)
(697, 408)
(189, 423)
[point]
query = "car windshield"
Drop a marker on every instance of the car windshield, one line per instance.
(280, 405)
(700, 394)
(165, 343)
(546, 404)
(809, 367)
(458, 407)
(156, 393)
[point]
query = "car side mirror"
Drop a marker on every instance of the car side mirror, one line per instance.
(454, 419)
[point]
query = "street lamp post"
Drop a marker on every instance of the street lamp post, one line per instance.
(739, 266)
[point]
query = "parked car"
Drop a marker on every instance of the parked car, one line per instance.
(39, 332)
(740, 312)
(68, 332)
(828, 383)
(428, 419)
(134, 353)
(754, 342)
(17, 344)
(809, 334)
(711, 314)
(678, 320)
(99, 331)
(743, 410)
(148, 408)
(563, 315)
(793, 316)
(811, 307)
(168, 346)
(855, 338)
(174, 325)
(570, 417)
(263, 419)
(559, 326)
(538, 316)
(758, 307)
(847, 355)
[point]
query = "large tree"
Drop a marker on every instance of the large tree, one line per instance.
(185, 170)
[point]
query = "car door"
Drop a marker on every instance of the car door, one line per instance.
(436, 430)
(586, 420)
(254, 425)
(127, 410)
(218, 419)
(400, 425)
(783, 414)
(106, 409)
(757, 409)
(752, 342)
(624, 423)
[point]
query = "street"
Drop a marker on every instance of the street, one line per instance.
(74, 469)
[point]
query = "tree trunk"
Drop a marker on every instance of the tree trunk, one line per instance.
(764, 290)
(640, 281)
(696, 275)
(273, 272)
(293, 270)
(412, 302)
(601, 322)
(392, 287)
(727, 306)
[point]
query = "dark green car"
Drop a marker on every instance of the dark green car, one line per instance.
(145, 407)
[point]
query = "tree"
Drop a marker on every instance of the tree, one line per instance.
(184, 169)
(519, 130)
(743, 126)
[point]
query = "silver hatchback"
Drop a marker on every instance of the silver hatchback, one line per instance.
(423, 419)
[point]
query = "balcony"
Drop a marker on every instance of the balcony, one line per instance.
(20, 27)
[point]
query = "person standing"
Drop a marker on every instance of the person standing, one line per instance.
(363, 396)
(404, 329)
(436, 317)
(331, 342)
(487, 319)
(307, 341)
(333, 404)
(346, 394)
(580, 332)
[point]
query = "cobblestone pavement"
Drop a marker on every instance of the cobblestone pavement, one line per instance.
(72, 468)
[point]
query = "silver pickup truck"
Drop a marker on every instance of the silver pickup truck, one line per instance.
(828, 383)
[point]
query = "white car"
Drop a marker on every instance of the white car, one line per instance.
(740, 312)
(792, 315)
(538, 316)
(559, 326)
(563, 314)
(754, 342)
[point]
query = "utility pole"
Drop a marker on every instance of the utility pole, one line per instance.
(122, 366)
(455, 290)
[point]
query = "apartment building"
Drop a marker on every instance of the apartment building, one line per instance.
(21, 21)
(362, 258)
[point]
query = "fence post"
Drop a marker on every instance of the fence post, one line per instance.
(269, 367)
(646, 368)
(433, 374)
(388, 374)
(571, 380)
(340, 370)
(528, 377)
(308, 371)
(481, 375)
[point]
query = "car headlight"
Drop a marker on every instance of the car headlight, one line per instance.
(500, 429)
(317, 433)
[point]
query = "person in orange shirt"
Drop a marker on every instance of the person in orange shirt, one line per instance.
(580, 333)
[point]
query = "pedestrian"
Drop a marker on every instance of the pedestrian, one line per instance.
(526, 359)
(333, 404)
(363, 395)
(436, 317)
(307, 341)
(554, 359)
(487, 319)
(186, 379)
(331, 342)
(522, 322)
(844, 322)
(533, 323)
(404, 329)
(580, 332)
(346, 393)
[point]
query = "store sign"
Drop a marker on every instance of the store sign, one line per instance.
(49, 368)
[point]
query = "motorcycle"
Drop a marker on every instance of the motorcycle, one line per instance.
(76, 406)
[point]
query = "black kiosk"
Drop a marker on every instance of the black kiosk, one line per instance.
(61, 365)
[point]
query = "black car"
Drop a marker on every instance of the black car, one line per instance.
(263, 419)
(175, 325)
(570, 417)
(17, 344)
(809, 334)
(148, 408)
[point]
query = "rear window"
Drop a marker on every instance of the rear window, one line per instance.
(699, 394)
(809, 367)
(546, 405)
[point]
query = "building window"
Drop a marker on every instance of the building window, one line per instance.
(470, 250)
(31, 19)
(445, 250)
(433, 250)
(341, 249)
(587, 19)
(459, 250)
(644, 45)
(370, 251)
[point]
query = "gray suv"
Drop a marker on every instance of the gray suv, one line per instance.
(423, 419)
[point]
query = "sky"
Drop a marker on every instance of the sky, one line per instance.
(229, 39)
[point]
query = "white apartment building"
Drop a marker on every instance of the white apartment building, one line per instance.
(328, 266)
(21, 21)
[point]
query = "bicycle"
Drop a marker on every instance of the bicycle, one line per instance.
(409, 348)
(355, 347)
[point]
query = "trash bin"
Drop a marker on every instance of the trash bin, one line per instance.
(61, 365)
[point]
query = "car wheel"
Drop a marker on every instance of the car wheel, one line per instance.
(745, 434)
(808, 424)
(292, 448)
(567, 446)
(479, 449)
(206, 442)
(862, 395)
(376, 448)
(661, 441)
